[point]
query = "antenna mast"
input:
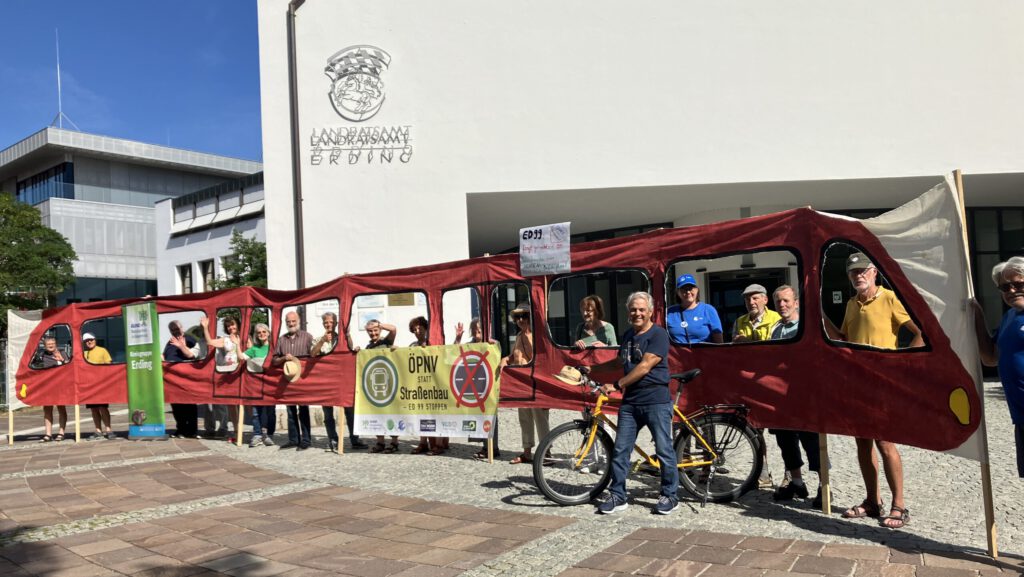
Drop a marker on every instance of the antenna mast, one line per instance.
(59, 119)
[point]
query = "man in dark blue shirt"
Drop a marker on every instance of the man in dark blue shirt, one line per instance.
(645, 403)
(182, 348)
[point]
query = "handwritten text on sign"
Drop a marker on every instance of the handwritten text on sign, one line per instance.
(544, 250)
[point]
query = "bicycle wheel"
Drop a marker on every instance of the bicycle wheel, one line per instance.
(737, 466)
(564, 473)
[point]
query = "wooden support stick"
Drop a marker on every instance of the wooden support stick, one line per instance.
(10, 422)
(341, 423)
(239, 431)
(78, 423)
(986, 473)
(823, 479)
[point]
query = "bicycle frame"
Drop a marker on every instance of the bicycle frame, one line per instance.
(596, 416)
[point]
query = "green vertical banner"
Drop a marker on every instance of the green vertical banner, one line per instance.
(145, 372)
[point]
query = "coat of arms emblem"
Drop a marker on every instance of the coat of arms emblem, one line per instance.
(357, 90)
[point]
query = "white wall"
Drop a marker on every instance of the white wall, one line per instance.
(540, 96)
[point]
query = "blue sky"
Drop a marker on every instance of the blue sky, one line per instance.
(184, 73)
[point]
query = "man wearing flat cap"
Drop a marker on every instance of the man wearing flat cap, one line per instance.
(874, 317)
(757, 324)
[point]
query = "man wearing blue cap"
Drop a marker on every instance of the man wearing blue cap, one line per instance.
(692, 321)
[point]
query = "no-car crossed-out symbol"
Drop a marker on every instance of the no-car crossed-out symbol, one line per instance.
(471, 379)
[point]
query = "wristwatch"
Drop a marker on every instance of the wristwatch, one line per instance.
(616, 386)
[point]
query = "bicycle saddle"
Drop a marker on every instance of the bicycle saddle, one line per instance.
(687, 376)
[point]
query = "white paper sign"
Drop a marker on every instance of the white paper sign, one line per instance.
(544, 250)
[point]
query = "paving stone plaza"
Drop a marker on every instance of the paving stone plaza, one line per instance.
(204, 507)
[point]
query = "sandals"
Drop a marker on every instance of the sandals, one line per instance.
(865, 509)
(521, 459)
(378, 448)
(897, 522)
(392, 447)
(46, 439)
(59, 437)
(420, 449)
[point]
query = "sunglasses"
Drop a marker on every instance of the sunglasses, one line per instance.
(520, 317)
(1017, 287)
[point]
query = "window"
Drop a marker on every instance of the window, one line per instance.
(257, 345)
(602, 294)
(54, 348)
(227, 321)
(842, 276)
(391, 310)
(206, 270)
(58, 182)
(314, 318)
(187, 333)
(711, 306)
(185, 276)
(505, 298)
(109, 333)
(460, 306)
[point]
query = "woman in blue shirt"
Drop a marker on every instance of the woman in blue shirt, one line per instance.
(692, 321)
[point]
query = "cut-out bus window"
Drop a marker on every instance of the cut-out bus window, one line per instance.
(221, 329)
(721, 282)
(460, 307)
(258, 337)
(185, 328)
(576, 302)
(312, 320)
(846, 271)
(504, 300)
(391, 310)
(54, 348)
(109, 333)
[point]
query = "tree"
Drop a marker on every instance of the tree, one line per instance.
(36, 262)
(245, 266)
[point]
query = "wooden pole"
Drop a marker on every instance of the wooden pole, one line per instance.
(239, 423)
(78, 423)
(10, 422)
(823, 474)
(340, 424)
(986, 473)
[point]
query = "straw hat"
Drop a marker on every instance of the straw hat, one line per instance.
(569, 376)
(292, 371)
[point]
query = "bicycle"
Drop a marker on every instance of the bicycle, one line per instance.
(576, 463)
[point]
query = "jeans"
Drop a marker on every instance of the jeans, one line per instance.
(789, 443)
(264, 419)
(298, 416)
(215, 419)
(330, 423)
(657, 419)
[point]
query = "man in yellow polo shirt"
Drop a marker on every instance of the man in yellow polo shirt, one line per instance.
(874, 317)
(97, 355)
(757, 324)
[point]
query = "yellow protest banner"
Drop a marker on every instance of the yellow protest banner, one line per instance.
(438, 391)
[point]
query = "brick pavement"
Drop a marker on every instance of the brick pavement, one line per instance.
(682, 553)
(205, 507)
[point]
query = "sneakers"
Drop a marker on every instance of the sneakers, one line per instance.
(666, 505)
(268, 441)
(787, 492)
(256, 441)
(112, 436)
(612, 505)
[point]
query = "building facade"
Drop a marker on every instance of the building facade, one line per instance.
(99, 192)
(435, 132)
(193, 232)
